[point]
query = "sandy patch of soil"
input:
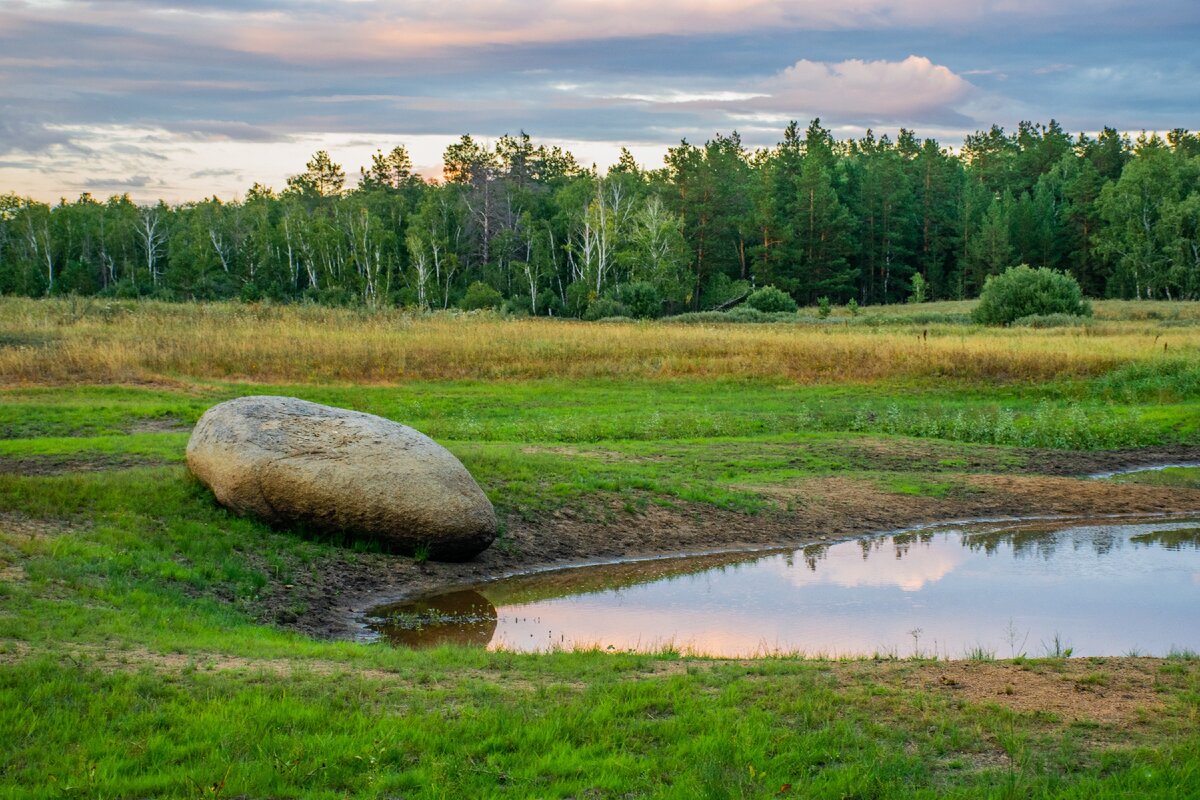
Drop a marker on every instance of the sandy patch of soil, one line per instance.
(160, 425)
(20, 526)
(54, 465)
(1112, 691)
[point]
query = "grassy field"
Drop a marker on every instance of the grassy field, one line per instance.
(148, 639)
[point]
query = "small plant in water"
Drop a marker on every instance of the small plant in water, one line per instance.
(1011, 633)
(915, 633)
(980, 653)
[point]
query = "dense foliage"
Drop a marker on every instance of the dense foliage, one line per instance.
(1021, 292)
(870, 220)
(769, 299)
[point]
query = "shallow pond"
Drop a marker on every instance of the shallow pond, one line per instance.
(1038, 588)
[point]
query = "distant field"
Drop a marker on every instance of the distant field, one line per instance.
(93, 341)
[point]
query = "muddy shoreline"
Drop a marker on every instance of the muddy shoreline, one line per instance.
(810, 511)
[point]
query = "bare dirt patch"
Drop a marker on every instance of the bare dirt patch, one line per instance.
(132, 659)
(1111, 691)
(19, 526)
(1055, 462)
(160, 425)
(50, 465)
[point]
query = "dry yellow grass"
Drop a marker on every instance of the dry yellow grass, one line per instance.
(91, 341)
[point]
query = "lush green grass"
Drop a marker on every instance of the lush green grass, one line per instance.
(584, 725)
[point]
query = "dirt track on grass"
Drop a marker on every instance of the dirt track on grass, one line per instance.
(1118, 692)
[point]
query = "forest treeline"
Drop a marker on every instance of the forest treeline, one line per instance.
(526, 226)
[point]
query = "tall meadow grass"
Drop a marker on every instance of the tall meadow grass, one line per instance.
(92, 341)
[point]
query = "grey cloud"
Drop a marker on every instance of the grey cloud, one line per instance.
(224, 130)
(215, 173)
(21, 133)
(132, 182)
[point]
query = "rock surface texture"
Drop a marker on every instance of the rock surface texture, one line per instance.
(292, 462)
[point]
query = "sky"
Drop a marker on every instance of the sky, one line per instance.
(181, 101)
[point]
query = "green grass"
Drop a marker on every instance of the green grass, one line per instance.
(139, 655)
(1171, 476)
(615, 730)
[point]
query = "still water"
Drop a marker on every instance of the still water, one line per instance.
(995, 589)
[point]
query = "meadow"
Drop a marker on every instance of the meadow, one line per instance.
(151, 644)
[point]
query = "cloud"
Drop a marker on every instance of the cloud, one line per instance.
(848, 568)
(22, 133)
(913, 89)
(852, 91)
(215, 172)
(120, 184)
(302, 31)
(211, 130)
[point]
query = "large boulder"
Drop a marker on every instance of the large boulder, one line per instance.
(292, 462)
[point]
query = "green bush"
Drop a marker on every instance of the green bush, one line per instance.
(1023, 291)
(768, 299)
(480, 295)
(549, 303)
(516, 306)
(748, 314)
(824, 307)
(604, 307)
(642, 299)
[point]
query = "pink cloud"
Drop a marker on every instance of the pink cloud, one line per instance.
(881, 88)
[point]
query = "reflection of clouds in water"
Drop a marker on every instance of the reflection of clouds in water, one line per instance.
(922, 563)
(1196, 578)
(546, 626)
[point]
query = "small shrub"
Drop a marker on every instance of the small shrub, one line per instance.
(1023, 291)
(747, 314)
(549, 304)
(698, 317)
(823, 307)
(516, 307)
(643, 299)
(579, 297)
(604, 307)
(852, 307)
(480, 295)
(768, 299)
